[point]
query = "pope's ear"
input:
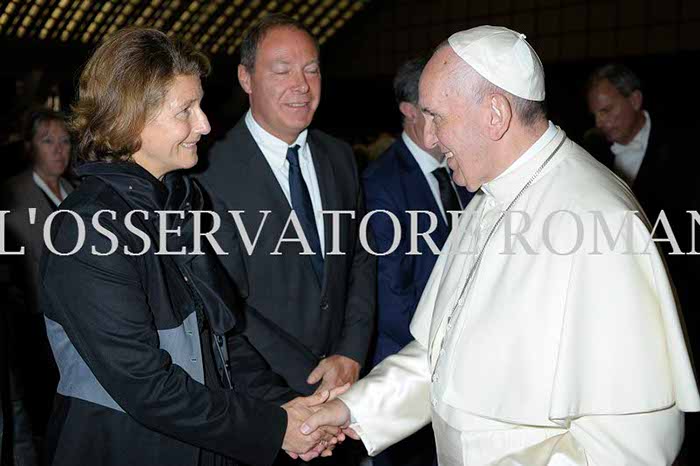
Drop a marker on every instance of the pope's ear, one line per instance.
(408, 110)
(244, 78)
(500, 114)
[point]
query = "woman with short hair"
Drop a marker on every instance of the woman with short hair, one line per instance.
(31, 196)
(153, 367)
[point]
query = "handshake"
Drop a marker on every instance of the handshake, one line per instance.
(316, 424)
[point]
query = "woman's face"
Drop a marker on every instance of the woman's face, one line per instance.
(51, 149)
(169, 139)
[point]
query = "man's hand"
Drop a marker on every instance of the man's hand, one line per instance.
(333, 372)
(319, 442)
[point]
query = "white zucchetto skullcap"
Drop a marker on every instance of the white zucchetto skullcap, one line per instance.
(502, 57)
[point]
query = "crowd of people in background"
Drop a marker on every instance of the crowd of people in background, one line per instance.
(220, 360)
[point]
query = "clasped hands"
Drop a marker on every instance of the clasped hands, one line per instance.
(317, 423)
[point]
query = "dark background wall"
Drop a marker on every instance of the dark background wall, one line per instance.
(660, 39)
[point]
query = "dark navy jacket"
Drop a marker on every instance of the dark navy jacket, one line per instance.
(395, 182)
(131, 334)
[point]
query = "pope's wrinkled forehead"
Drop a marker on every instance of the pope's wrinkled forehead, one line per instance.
(441, 73)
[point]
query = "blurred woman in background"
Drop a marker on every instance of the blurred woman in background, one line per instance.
(31, 197)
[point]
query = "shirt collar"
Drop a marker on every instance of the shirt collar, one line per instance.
(506, 185)
(639, 142)
(426, 162)
(45, 188)
(274, 148)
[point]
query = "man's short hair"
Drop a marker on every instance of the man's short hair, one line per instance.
(256, 34)
(621, 77)
(407, 79)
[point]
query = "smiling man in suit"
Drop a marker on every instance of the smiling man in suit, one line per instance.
(408, 177)
(314, 313)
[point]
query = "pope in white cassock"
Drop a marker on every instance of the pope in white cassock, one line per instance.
(543, 337)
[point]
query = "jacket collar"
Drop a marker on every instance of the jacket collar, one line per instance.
(141, 190)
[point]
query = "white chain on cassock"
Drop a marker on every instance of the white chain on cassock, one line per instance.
(463, 293)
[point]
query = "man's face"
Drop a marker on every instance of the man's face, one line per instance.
(284, 88)
(414, 123)
(617, 116)
(453, 121)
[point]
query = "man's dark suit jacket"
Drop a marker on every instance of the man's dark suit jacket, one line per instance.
(296, 321)
(395, 182)
(668, 173)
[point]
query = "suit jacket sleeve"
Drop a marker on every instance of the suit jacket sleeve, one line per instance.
(227, 238)
(111, 326)
(396, 288)
(252, 375)
(393, 401)
(358, 324)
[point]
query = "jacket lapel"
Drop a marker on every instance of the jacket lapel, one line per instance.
(325, 174)
(418, 194)
(260, 183)
(464, 196)
(648, 175)
(260, 171)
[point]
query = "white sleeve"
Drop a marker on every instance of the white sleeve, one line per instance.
(392, 401)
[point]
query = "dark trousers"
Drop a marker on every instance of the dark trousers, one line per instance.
(349, 453)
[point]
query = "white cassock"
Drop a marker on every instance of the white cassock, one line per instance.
(564, 352)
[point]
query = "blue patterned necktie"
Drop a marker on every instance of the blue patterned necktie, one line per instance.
(301, 203)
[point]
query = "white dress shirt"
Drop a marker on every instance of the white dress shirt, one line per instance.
(428, 164)
(275, 152)
(45, 188)
(629, 157)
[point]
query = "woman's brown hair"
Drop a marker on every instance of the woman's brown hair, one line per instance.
(122, 86)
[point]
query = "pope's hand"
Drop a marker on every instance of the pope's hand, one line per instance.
(296, 443)
(332, 413)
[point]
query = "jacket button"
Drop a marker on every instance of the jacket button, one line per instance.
(324, 305)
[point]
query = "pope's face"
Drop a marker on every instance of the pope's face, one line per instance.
(453, 120)
(284, 88)
(615, 115)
